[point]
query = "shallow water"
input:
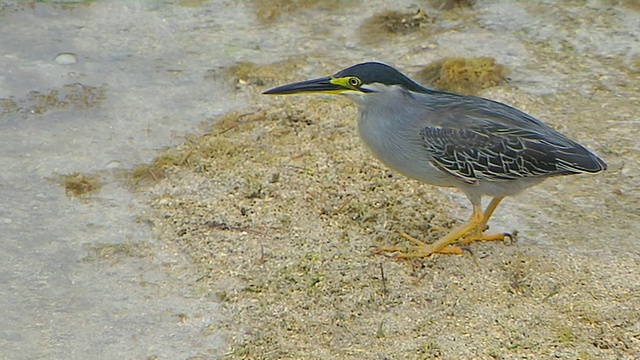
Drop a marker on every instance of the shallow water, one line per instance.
(152, 72)
(142, 93)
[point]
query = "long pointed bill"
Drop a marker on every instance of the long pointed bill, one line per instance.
(321, 85)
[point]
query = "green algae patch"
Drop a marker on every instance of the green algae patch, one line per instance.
(155, 171)
(384, 26)
(272, 11)
(451, 4)
(75, 96)
(247, 73)
(115, 253)
(79, 184)
(463, 76)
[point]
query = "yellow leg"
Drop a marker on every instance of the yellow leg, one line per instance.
(478, 234)
(491, 208)
(472, 230)
(421, 249)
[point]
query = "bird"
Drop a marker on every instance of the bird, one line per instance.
(480, 146)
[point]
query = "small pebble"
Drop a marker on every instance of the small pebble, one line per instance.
(113, 164)
(66, 58)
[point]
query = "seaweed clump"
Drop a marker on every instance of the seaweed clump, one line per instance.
(79, 184)
(452, 4)
(382, 25)
(464, 76)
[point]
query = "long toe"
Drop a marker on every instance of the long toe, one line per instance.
(484, 237)
(422, 249)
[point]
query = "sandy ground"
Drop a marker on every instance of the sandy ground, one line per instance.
(281, 208)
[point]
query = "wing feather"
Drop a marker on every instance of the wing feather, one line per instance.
(475, 139)
(492, 153)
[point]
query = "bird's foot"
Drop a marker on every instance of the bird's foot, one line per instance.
(472, 230)
(417, 250)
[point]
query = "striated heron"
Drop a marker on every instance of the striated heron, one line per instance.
(480, 146)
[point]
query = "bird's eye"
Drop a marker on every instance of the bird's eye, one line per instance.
(354, 81)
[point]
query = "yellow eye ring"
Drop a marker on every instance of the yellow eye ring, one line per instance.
(354, 81)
